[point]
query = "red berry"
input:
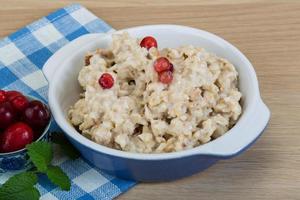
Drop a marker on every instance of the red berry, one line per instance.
(166, 77)
(37, 115)
(16, 137)
(106, 81)
(162, 64)
(7, 115)
(2, 96)
(20, 103)
(148, 42)
(10, 95)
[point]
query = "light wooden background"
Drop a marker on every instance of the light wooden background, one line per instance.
(268, 32)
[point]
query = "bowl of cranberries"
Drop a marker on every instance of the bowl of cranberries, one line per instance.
(23, 120)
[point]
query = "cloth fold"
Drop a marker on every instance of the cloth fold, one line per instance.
(22, 56)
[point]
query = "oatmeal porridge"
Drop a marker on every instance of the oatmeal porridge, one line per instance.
(140, 99)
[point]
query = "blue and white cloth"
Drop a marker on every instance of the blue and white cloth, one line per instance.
(22, 56)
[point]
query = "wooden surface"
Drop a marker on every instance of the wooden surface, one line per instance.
(268, 32)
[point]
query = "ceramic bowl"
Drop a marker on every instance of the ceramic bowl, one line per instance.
(62, 71)
(19, 160)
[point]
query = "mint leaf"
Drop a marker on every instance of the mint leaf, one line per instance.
(58, 177)
(67, 147)
(20, 187)
(40, 154)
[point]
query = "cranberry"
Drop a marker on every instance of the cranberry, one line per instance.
(7, 115)
(10, 95)
(37, 115)
(2, 96)
(16, 137)
(148, 42)
(20, 103)
(162, 64)
(166, 77)
(106, 81)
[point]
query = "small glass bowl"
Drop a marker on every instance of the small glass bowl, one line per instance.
(18, 160)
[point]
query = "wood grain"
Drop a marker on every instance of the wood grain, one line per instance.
(268, 32)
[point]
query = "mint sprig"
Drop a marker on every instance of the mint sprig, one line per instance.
(58, 177)
(21, 186)
(40, 154)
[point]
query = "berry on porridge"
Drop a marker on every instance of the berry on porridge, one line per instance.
(165, 77)
(148, 42)
(106, 81)
(141, 99)
(162, 64)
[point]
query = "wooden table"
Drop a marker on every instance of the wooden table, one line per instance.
(268, 32)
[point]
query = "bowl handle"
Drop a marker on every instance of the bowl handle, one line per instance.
(241, 136)
(53, 63)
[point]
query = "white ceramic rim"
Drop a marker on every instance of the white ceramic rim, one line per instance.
(225, 146)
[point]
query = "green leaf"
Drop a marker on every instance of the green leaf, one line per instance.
(58, 177)
(40, 154)
(20, 187)
(66, 146)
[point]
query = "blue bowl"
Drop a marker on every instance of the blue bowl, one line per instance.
(64, 91)
(152, 170)
(18, 160)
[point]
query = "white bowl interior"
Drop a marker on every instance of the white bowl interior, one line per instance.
(66, 88)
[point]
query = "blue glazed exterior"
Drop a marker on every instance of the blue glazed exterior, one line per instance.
(155, 170)
(19, 160)
(151, 170)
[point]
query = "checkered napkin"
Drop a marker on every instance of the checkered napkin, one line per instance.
(22, 56)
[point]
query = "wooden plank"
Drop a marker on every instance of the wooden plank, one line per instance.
(268, 32)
